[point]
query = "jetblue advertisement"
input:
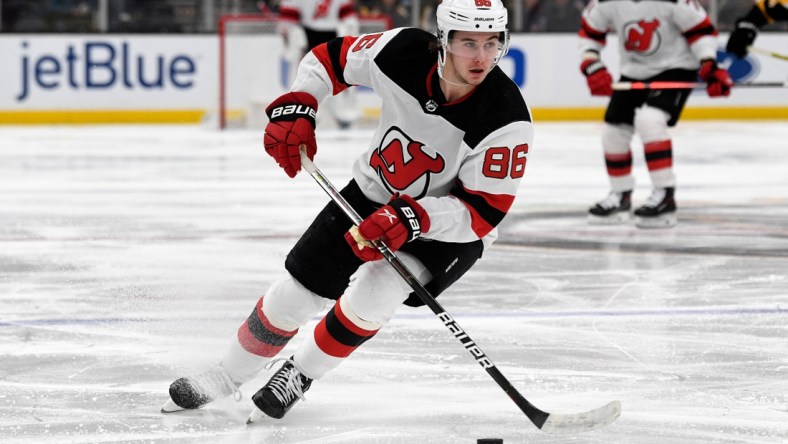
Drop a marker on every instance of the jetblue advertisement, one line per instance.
(106, 72)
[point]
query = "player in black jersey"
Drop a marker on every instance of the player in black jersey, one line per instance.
(762, 13)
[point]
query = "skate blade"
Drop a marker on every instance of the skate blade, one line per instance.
(665, 221)
(171, 407)
(614, 219)
(256, 416)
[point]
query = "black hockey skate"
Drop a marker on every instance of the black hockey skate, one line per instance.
(614, 209)
(193, 392)
(659, 211)
(280, 393)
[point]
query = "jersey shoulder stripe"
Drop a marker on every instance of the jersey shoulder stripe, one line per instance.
(411, 51)
(333, 56)
(496, 103)
(588, 31)
(704, 28)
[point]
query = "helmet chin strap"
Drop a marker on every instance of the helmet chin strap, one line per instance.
(450, 82)
(441, 66)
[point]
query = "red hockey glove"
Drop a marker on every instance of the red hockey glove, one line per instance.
(291, 123)
(402, 220)
(718, 81)
(599, 81)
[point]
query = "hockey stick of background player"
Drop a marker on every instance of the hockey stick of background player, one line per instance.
(626, 86)
(547, 422)
(776, 55)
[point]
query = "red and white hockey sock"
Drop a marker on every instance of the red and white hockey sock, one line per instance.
(652, 127)
(618, 155)
(659, 158)
(258, 336)
(336, 336)
(659, 154)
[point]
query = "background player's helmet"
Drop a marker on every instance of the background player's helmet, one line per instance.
(474, 16)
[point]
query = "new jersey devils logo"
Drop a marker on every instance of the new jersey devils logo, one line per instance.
(642, 37)
(404, 165)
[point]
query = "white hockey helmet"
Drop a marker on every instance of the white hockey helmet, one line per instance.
(473, 16)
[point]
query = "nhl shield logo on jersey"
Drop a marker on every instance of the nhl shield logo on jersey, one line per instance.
(642, 36)
(431, 106)
(405, 165)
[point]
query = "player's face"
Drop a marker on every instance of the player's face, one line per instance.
(473, 54)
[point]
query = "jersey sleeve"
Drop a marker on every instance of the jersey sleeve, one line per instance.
(290, 12)
(485, 188)
(594, 27)
(694, 24)
(332, 67)
(773, 10)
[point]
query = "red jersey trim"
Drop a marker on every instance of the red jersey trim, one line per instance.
(587, 31)
(289, 14)
(703, 29)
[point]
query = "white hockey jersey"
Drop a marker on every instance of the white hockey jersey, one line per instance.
(317, 15)
(654, 35)
(462, 160)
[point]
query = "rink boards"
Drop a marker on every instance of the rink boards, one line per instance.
(175, 79)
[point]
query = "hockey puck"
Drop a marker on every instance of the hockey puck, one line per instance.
(489, 441)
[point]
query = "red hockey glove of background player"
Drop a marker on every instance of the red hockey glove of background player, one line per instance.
(718, 81)
(599, 80)
(401, 220)
(291, 123)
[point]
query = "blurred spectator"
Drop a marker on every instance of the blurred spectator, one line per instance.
(48, 15)
(427, 20)
(146, 16)
(400, 15)
(729, 11)
(24, 16)
(178, 16)
(561, 15)
(366, 7)
(760, 15)
(533, 20)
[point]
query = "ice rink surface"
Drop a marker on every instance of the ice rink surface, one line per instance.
(129, 256)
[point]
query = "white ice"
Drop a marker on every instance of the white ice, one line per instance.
(129, 256)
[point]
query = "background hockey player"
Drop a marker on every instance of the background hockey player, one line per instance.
(658, 40)
(304, 24)
(440, 173)
(764, 12)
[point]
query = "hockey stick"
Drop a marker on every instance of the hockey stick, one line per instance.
(627, 86)
(547, 422)
(776, 55)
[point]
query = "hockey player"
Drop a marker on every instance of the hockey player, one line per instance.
(441, 172)
(658, 40)
(304, 24)
(762, 13)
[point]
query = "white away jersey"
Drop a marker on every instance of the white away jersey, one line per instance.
(654, 35)
(317, 15)
(462, 160)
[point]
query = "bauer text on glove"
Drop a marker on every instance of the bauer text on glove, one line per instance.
(291, 124)
(599, 80)
(401, 220)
